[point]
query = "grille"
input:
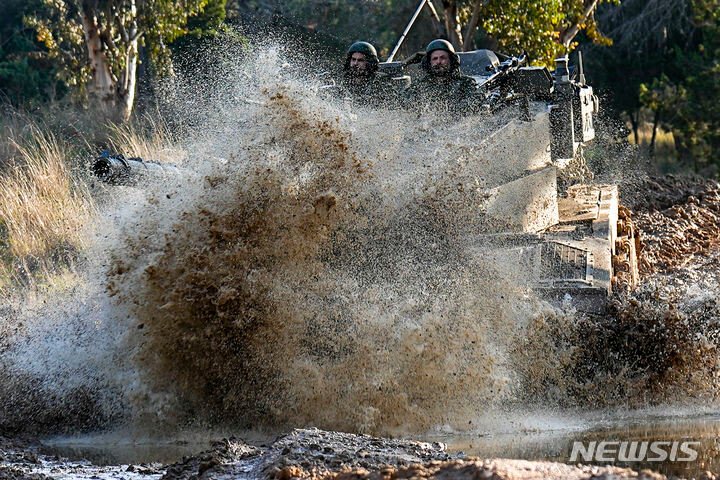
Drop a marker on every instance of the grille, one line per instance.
(561, 264)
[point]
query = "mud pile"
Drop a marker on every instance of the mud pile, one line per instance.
(314, 454)
(310, 454)
(678, 218)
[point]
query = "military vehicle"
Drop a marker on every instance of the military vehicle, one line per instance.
(573, 242)
(571, 238)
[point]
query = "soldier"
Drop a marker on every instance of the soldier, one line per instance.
(442, 88)
(361, 80)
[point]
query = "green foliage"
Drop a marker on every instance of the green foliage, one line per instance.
(23, 79)
(205, 25)
(57, 29)
(163, 22)
(156, 23)
(661, 95)
(685, 96)
(663, 67)
(208, 22)
(511, 26)
(200, 53)
(538, 27)
(519, 25)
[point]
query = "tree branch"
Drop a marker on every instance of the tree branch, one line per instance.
(135, 32)
(437, 23)
(567, 35)
(451, 23)
(121, 28)
(472, 25)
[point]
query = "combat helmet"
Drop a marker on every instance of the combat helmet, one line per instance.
(366, 49)
(440, 44)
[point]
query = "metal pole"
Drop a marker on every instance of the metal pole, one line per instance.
(433, 12)
(407, 29)
(581, 78)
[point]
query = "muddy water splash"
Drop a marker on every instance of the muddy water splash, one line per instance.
(322, 275)
(320, 269)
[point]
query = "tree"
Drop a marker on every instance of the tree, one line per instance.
(24, 79)
(545, 30)
(695, 73)
(664, 61)
(643, 34)
(664, 99)
(95, 44)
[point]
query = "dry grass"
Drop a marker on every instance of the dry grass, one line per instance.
(150, 141)
(664, 155)
(43, 208)
(14, 126)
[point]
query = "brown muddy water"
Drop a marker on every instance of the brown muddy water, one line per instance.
(320, 268)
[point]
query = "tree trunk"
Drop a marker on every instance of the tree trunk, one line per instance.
(102, 85)
(656, 121)
(452, 26)
(128, 81)
(127, 93)
(567, 35)
(471, 28)
(635, 125)
(115, 96)
(437, 24)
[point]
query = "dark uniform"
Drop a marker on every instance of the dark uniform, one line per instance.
(368, 87)
(446, 91)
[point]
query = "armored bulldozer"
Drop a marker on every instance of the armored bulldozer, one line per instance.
(572, 241)
(569, 236)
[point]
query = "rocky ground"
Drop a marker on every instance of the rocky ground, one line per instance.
(309, 454)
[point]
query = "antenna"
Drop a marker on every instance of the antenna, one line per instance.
(407, 29)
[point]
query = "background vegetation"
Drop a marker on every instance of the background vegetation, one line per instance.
(71, 71)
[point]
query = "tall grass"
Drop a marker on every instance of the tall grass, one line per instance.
(149, 139)
(45, 201)
(43, 208)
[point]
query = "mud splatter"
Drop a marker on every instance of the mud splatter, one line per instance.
(319, 268)
(314, 280)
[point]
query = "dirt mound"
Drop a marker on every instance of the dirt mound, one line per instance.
(316, 454)
(497, 470)
(657, 344)
(643, 194)
(678, 218)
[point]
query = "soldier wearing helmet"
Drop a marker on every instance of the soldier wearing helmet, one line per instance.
(361, 60)
(442, 87)
(361, 80)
